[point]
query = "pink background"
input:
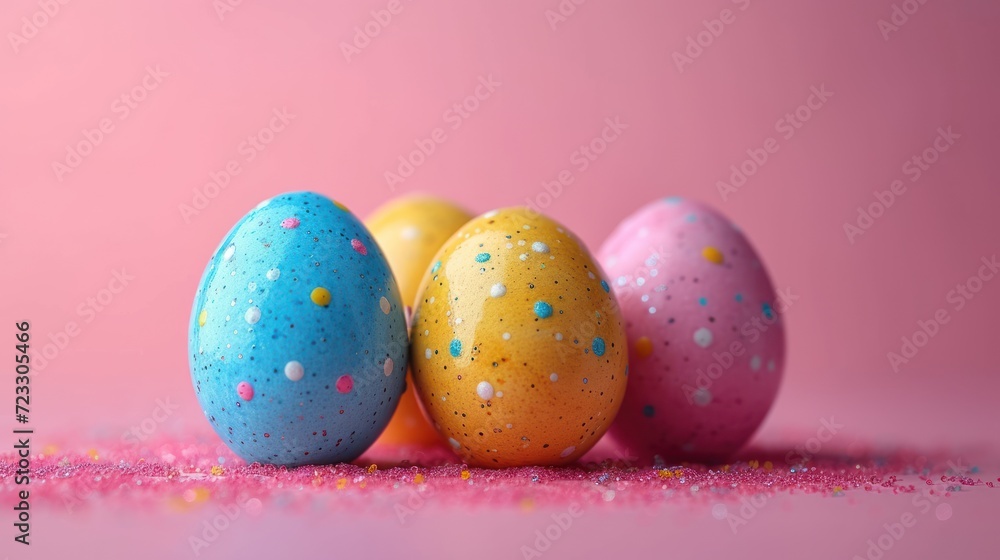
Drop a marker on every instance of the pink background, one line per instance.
(61, 238)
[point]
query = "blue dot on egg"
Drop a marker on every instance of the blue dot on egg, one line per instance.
(768, 311)
(482, 257)
(598, 346)
(436, 267)
(543, 310)
(605, 286)
(702, 301)
(739, 298)
(673, 200)
(455, 348)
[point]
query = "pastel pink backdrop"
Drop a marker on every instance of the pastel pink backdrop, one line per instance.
(62, 240)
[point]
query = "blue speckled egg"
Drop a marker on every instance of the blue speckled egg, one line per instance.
(298, 339)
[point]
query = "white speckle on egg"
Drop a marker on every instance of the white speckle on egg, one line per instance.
(591, 275)
(498, 290)
(230, 251)
(539, 247)
(524, 256)
(755, 363)
(506, 336)
(263, 203)
(640, 281)
(427, 353)
(454, 443)
(294, 370)
(387, 368)
(273, 274)
(510, 245)
(490, 214)
(521, 243)
(701, 397)
(559, 336)
(252, 287)
(384, 305)
(770, 365)
(652, 310)
(252, 315)
(553, 377)
(526, 226)
(568, 451)
(703, 337)
(484, 390)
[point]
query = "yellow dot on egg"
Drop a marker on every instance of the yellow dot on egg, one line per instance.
(321, 296)
(644, 347)
(202, 317)
(712, 255)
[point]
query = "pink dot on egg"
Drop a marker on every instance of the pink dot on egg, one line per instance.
(244, 390)
(290, 223)
(345, 383)
(359, 246)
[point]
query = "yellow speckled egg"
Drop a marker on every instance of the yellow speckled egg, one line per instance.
(410, 230)
(518, 348)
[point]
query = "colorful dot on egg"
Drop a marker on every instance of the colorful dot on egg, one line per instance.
(673, 200)
(702, 301)
(643, 347)
(244, 390)
(202, 317)
(290, 223)
(383, 304)
(703, 337)
(321, 296)
(294, 370)
(543, 309)
(455, 348)
(359, 247)
(482, 257)
(345, 383)
(605, 286)
(436, 267)
(712, 255)
(598, 347)
(768, 311)
(484, 390)
(387, 368)
(739, 298)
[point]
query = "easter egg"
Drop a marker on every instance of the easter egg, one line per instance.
(517, 346)
(297, 342)
(706, 339)
(410, 231)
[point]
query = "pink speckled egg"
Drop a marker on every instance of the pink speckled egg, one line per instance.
(705, 334)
